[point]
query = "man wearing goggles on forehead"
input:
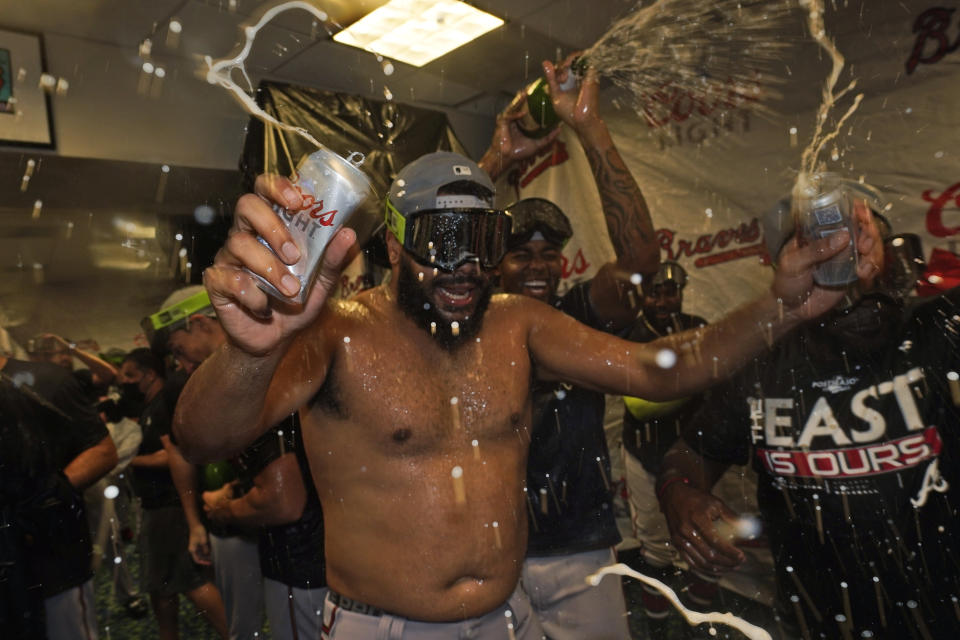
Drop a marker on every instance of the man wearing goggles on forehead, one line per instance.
(572, 538)
(450, 238)
(415, 398)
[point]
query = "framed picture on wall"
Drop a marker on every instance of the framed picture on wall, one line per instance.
(25, 115)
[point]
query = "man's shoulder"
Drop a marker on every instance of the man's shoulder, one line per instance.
(359, 307)
(517, 307)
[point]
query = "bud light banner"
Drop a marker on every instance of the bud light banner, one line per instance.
(711, 166)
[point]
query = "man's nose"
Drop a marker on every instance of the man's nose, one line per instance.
(469, 267)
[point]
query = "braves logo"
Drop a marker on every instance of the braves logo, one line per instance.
(931, 26)
(705, 245)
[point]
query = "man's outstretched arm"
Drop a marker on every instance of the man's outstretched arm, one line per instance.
(234, 396)
(692, 360)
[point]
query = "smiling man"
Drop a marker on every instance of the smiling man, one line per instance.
(573, 529)
(417, 427)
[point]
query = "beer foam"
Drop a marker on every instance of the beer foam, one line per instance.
(751, 631)
(221, 71)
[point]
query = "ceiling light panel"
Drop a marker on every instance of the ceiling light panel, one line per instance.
(418, 31)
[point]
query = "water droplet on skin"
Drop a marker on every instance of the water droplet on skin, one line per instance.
(666, 359)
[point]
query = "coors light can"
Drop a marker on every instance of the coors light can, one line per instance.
(332, 188)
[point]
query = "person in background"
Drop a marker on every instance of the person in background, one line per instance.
(111, 504)
(572, 525)
(167, 568)
(70, 449)
(94, 379)
(649, 428)
(850, 424)
(186, 328)
(283, 507)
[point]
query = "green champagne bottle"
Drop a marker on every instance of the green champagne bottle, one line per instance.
(539, 117)
(217, 474)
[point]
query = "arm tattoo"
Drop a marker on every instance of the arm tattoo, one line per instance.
(624, 208)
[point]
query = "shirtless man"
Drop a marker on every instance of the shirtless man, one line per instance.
(417, 428)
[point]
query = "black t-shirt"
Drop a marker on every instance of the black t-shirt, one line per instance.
(291, 553)
(649, 436)
(568, 469)
(154, 485)
(91, 389)
(848, 443)
(49, 510)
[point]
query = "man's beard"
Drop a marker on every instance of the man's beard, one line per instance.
(868, 324)
(413, 299)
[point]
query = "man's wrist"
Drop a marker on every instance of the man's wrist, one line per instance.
(777, 316)
(594, 134)
(494, 163)
(664, 486)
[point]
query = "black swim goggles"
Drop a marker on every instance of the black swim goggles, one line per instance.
(448, 238)
(532, 215)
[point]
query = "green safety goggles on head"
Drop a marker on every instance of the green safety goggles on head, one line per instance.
(449, 237)
(177, 316)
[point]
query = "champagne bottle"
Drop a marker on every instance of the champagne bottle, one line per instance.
(217, 474)
(539, 116)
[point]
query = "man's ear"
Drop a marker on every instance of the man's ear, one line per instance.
(394, 249)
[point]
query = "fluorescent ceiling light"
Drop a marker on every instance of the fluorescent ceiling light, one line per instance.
(418, 31)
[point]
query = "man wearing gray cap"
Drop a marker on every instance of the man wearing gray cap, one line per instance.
(414, 396)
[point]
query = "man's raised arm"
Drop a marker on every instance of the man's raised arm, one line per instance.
(625, 211)
(233, 396)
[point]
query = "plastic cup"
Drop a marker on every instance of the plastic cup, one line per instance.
(333, 188)
(825, 207)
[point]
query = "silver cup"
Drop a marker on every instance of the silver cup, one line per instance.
(333, 188)
(825, 207)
